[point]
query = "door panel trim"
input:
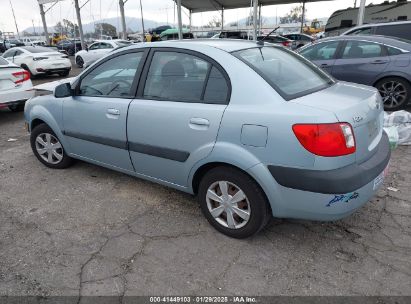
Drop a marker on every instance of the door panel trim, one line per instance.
(98, 139)
(172, 154)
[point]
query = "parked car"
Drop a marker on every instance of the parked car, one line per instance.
(400, 29)
(299, 40)
(377, 61)
(10, 43)
(69, 46)
(32, 42)
(98, 50)
(298, 145)
(172, 34)
(277, 39)
(15, 85)
(235, 35)
(2, 46)
(39, 60)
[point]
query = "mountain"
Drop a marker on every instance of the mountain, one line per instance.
(133, 23)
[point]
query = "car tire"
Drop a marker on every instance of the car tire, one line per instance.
(79, 62)
(41, 139)
(395, 93)
(65, 73)
(17, 107)
(248, 216)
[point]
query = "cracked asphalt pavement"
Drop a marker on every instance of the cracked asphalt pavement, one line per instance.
(87, 230)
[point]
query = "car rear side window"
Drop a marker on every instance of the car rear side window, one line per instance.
(289, 74)
(113, 78)
(176, 77)
(393, 51)
(362, 49)
(217, 89)
(398, 30)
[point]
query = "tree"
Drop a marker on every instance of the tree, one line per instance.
(105, 29)
(294, 16)
(67, 28)
(215, 22)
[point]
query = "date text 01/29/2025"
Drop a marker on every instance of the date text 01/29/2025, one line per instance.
(203, 299)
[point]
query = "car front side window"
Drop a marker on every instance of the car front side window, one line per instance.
(94, 46)
(176, 77)
(112, 78)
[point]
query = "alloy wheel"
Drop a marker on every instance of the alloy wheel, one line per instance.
(228, 204)
(393, 94)
(49, 148)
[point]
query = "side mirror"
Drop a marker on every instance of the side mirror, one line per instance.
(63, 90)
(86, 48)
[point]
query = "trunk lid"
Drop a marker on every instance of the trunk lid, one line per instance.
(7, 80)
(357, 105)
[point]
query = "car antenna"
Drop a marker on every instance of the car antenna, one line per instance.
(261, 42)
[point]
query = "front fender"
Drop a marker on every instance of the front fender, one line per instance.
(40, 112)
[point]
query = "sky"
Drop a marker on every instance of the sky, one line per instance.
(27, 11)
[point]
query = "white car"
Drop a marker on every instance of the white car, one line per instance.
(39, 60)
(15, 86)
(98, 50)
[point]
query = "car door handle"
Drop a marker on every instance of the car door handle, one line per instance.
(199, 123)
(324, 65)
(379, 61)
(113, 112)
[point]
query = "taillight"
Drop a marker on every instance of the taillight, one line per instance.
(21, 76)
(334, 139)
(286, 43)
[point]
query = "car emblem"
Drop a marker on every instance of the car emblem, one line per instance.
(357, 118)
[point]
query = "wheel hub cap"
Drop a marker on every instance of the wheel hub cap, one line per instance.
(49, 148)
(228, 204)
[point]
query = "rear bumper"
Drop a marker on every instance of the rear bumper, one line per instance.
(341, 180)
(14, 97)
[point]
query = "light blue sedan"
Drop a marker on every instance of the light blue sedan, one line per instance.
(254, 131)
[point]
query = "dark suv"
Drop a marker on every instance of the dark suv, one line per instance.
(69, 46)
(400, 29)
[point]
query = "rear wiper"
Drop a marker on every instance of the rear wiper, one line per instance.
(261, 42)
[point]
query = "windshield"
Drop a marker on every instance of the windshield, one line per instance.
(3, 61)
(122, 42)
(288, 73)
(38, 49)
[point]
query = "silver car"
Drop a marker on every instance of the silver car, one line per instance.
(254, 131)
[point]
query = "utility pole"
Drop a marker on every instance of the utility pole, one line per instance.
(302, 17)
(355, 3)
(80, 25)
(180, 23)
(361, 10)
(43, 19)
(255, 10)
(142, 20)
(123, 18)
(15, 22)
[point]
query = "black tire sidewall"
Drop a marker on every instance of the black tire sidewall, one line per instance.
(260, 210)
(43, 128)
(404, 83)
(78, 64)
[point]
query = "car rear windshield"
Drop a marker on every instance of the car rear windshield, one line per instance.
(3, 61)
(288, 73)
(122, 42)
(38, 49)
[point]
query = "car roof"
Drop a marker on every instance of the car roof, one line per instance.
(393, 41)
(379, 24)
(228, 45)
